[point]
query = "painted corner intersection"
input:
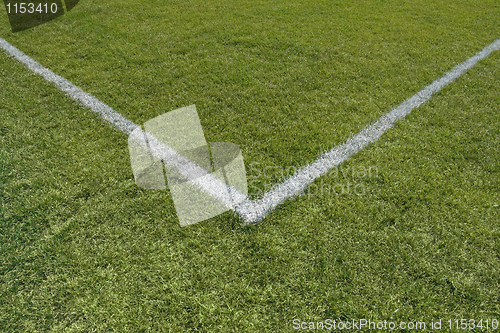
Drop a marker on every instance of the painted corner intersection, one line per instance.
(214, 184)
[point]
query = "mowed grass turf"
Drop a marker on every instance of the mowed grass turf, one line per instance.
(84, 249)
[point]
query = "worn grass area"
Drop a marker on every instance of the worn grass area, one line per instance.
(409, 224)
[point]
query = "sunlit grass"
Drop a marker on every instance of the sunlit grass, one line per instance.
(84, 249)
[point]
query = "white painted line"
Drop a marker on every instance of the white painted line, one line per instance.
(187, 169)
(107, 113)
(255, 210)
(297, 183)
(228, 195)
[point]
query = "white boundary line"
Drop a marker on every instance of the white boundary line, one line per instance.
(297, 183)
(227, 195)
(255, 210)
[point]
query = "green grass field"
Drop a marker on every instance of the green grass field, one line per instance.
(83, 249)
